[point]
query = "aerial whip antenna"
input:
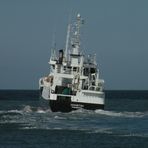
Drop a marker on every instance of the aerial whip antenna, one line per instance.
(53, 48)
(67, 38)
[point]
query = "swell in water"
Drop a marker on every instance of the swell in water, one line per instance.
(39, 110)
(98, 121)
(122, 114)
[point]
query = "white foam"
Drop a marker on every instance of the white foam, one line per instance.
(122, 114)
(58, 128)
(27, 109)
(58, 117)
(135, 135)
(14, 111)
(11, 111)
(41, 111)
(101, 130)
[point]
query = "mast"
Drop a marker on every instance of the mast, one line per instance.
(53, 48)
(67, 42)
(76, 36)
(75, 42)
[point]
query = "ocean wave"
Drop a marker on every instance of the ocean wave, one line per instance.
(90, 122)
(122, 114)
(27, 108)
(59, 117)
(30, 109)
(101, 130)
(76, 113)
(10, 112)
(42, 111)
(135, 135)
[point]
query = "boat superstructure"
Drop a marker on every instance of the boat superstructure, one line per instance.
(73, 81)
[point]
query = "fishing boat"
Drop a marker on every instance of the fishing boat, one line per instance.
(73, 81)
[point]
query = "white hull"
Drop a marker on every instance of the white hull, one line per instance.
(84, 99)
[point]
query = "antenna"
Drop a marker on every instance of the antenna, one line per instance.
(75, 41)
(53, 47)
(67, 37)
(67, 40)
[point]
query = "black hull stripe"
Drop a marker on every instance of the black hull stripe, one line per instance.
(69, 106)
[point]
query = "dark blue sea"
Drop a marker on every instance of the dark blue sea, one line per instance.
(26, 123)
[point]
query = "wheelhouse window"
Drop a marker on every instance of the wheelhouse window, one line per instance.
(74, 68)
(86, 71)
(64, 67)
(92, 70)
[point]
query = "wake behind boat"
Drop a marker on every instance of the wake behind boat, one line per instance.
(73, 81)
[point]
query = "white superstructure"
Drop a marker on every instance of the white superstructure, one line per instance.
(74, 80)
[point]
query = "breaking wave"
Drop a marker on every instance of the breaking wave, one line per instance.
(122, 114)
(30, 109)
(80, 112)
(27, 108)
(98, 121)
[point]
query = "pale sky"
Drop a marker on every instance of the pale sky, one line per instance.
(116, 30)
